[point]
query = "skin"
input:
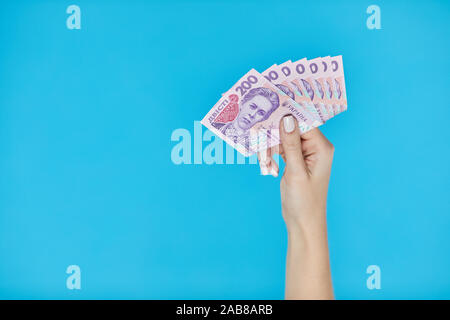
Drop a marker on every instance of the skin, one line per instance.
(253, 111)
(304, 188)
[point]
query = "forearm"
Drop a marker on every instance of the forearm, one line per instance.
(308, 273)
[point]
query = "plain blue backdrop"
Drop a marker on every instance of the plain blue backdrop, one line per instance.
(87, 178)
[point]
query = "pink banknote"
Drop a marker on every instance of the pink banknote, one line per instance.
(320, 80)
(313, 83)
(278, 75)
(326, 81)
(336, 82)
(290, 80)
(248, 115)
(302, 78)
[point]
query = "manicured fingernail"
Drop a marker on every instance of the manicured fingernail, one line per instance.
(289, 124)
(264, 171)
(274, 172)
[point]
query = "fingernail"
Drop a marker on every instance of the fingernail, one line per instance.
(289, 124)
(264, 171)
(274, 172)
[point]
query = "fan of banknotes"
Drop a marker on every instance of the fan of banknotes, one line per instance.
(248, 115)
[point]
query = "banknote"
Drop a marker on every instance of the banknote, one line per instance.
(277, 75)
(314, 86)
(325, 79)
(299, 78)
(248, 115)
(329, 88)
(330, 77)
(320, 80)
(336, 82)
(289, 75)
(291, 81)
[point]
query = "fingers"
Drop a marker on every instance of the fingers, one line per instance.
(292, 147)
(308, 155)
(275, 169)
(315, 143)
(315, 134)
(264, 162)
(267, 163)
(315, 137)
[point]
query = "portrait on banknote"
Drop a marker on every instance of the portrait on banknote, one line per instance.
(256, 106)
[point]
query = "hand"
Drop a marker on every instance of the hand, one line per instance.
(304, 185)
(304, 188)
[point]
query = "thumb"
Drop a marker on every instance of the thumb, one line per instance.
(292, 146)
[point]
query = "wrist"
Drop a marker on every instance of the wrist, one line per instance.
(308, 231)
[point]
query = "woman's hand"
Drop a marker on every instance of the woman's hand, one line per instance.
(304, 185)
(304, 188)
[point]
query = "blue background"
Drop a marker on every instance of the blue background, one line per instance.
(86, 118)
